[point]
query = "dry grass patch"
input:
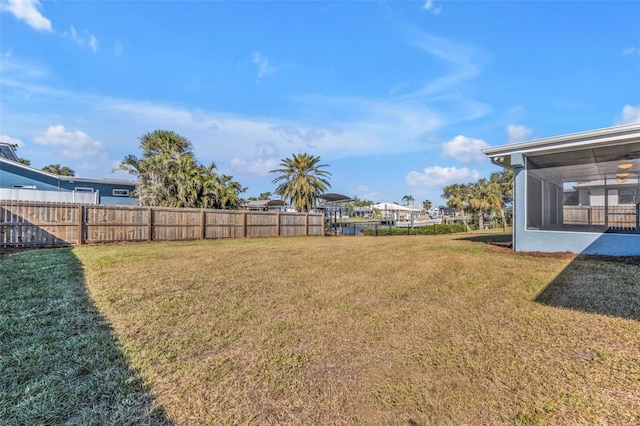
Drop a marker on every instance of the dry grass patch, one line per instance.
(393, 330)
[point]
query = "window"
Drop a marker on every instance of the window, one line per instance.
(627, 196)
(120, 192)
(23, 186)
(83, 189)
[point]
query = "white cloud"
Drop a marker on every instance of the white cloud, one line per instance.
(117, 48)
(76, 145)
(631, 51)
(8, 139)
(365, 192)
(439, 177)
(464, 61)
(27, 10)
(518, 133)
(84, 39)
(465, 149)
(259, 167)
(431, 7)
(266, 158)
(630, 114)
(264, 67)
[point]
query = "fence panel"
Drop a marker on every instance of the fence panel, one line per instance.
(176, 224)
(28, 224)
(315, 225)
(261, 224)
(58, 224)
(293, 224)
(104, 224)
(576, 215)
(622, 217)
(224, 224)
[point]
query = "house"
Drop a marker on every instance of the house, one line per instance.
(576, 193)
(266, 205)
(24, 183)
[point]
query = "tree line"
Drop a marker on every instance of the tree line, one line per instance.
(482, 197)
(169, 175)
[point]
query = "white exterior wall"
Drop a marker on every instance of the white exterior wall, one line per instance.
(18, 194)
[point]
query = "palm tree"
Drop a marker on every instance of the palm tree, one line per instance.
(56, 169)
(408, 199)
(457, 196)
(426, 204)
(503, 186)
(169, 175)
(14, 147)
(482, 198)
(302, 180)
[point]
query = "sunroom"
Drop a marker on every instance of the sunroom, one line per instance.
(576, 193)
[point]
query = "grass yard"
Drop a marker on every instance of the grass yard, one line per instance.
(407, 330)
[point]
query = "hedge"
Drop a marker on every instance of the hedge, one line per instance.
(435, 229)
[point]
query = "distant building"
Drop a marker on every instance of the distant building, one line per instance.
(24, 183)
(266, 205)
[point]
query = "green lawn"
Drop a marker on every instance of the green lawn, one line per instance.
(337, 330)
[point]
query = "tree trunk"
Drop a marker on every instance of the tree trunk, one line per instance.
(464, 220)
(503, 217)
(480, 219)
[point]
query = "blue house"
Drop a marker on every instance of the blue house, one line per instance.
(24, 183)
(576, 193)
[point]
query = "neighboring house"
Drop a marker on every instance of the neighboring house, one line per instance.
(591, 193)
(266, 205)
(577, 193)
(393, 211)
(24, 183)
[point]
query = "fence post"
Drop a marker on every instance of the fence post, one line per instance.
(244, 224)
(203, 225)
(306, 224)
(80, 223)
(150, 224)
(278, 233)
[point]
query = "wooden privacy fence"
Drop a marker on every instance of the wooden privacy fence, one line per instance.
(617, 217)
(57, 224)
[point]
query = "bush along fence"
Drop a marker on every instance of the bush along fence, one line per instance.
(434, 229)
(32, 224)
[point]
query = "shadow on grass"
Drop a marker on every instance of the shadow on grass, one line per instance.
(597, 284)
(60, 361)
(606, 285)
(502, 239)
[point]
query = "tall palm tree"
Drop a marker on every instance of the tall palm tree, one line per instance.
(457, 196)
(426, 204)
(57, 169)
(302, 180)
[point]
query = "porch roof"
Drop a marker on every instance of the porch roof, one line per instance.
(578, 156)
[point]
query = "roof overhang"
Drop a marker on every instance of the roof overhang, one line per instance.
(265, 203)
(335, 198)
(70, 179)
(588, 154)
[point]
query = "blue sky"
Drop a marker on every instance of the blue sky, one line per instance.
(397, 97)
